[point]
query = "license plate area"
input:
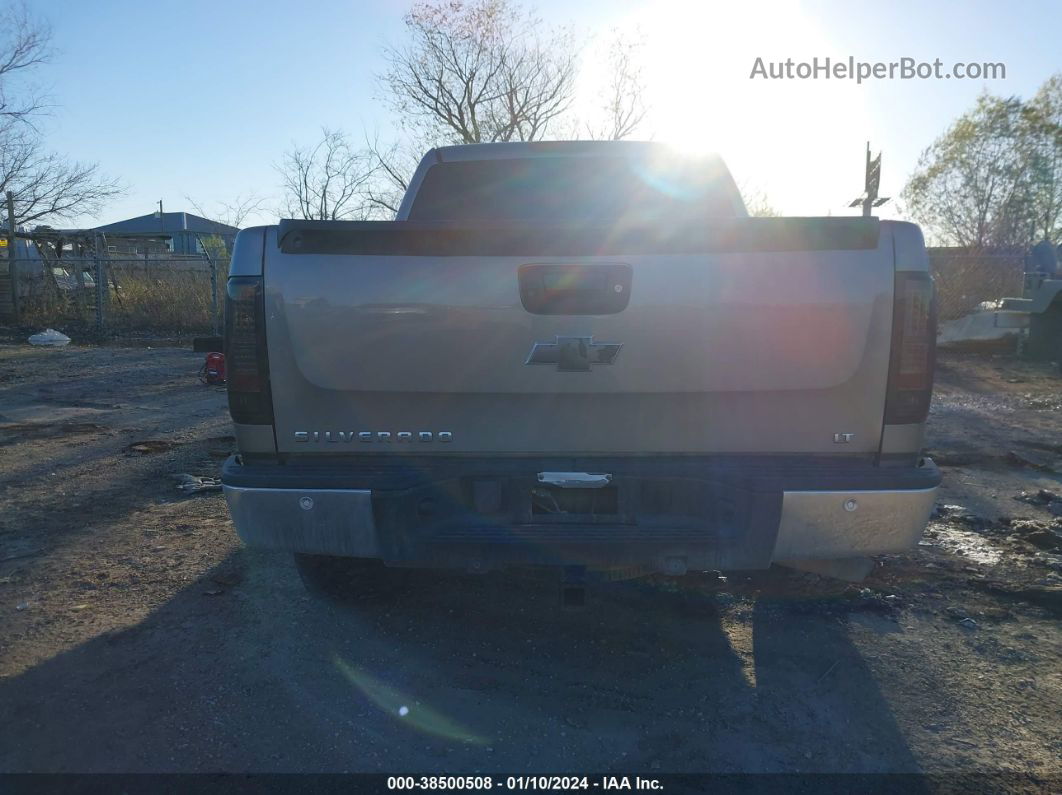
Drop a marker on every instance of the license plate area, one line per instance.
(553, 504)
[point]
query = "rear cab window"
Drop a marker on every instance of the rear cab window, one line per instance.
(576, 190)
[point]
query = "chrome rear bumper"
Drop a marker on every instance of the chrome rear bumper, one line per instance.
(842, 524)
(813, 525)
(322, 521)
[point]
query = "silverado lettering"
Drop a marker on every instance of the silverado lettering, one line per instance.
(373, 436)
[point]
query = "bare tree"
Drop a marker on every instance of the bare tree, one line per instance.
(395, 164)
(26, 44)
(757, 203)
(623, 99)
(471, 72)
(479, 71)
(326, 181)
(45, 185)
(232, 213)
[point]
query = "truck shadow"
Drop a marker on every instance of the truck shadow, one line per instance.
(461, 674)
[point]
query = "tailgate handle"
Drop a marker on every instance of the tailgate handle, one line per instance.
(575, 289)
(575, 480)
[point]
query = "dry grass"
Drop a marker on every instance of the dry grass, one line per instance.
(171, 300)
(156, 299)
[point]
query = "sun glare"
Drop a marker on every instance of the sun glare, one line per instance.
(787, 135)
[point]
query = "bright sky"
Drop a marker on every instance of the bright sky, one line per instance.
(199, 98)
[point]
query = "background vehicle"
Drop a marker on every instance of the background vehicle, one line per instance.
(582, 354)
(1040, 307)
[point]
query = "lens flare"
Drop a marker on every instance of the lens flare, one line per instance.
(394, 702)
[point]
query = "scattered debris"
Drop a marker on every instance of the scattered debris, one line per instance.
(1041, 497)
(941, 511)
(970, 543)
(192, 484)
(955, 458)
(870, 600)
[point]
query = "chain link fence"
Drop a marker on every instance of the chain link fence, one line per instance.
(123, 297)
(966, 279)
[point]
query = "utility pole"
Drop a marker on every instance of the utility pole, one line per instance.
(12, 262)
(101, 280)
(871, 183)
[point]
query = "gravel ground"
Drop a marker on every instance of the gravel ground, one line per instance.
(136, 635)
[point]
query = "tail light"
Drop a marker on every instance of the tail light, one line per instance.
(245, 352)
(914, 343)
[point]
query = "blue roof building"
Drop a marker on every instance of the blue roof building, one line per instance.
(183, 230)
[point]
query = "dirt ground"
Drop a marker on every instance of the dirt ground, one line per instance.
(137, 635)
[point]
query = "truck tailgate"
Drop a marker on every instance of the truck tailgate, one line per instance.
(766, 349)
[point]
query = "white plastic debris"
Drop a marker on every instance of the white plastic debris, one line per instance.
(190, 484)
(49, 337)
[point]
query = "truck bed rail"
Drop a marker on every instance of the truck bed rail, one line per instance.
(440, 239)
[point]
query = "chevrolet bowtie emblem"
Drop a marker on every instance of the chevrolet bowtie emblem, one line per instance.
(574, 354)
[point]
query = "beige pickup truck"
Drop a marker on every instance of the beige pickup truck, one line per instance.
(581, 354)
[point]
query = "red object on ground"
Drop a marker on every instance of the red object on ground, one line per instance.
(215, 368)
